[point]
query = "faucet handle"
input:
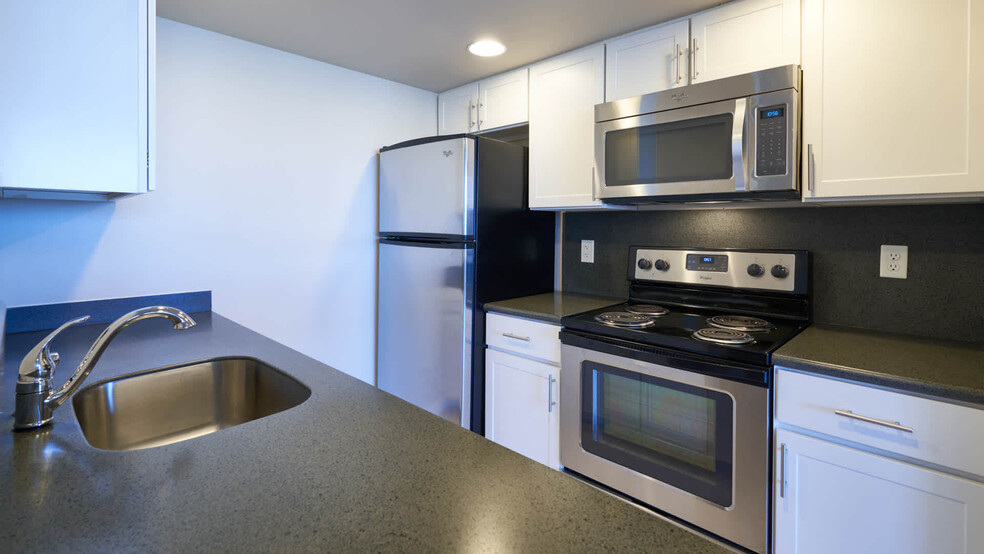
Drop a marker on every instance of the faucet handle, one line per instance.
(47, 361)
(40, 362)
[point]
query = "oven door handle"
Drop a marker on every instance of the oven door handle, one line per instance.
(739, 146)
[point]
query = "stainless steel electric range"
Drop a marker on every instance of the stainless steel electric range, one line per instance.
(666, 398)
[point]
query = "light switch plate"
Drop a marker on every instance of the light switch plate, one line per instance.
(587, 251)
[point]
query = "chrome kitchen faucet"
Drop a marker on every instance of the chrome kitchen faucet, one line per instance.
(35, 401)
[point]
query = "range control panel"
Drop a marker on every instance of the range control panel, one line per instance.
(775, 271)
(770, 141)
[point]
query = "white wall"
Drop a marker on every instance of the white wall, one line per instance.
(266, 195)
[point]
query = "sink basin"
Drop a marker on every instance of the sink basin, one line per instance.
(177, 403)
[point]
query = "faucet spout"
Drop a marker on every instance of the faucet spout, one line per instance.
(36, 401)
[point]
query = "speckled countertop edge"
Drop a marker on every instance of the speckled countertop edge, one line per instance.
(550, 306)
(942, 370)
(351, 468)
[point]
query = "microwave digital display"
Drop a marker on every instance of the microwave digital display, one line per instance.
(770, 113)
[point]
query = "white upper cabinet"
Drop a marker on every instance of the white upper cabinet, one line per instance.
(890, 93)
(744, 36)
(736, 38)
(563, 94)
(456, 110)
(503, 100)
(498, 101)
(76, 97)
(649, 61)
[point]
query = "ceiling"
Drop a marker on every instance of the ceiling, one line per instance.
(422, 42)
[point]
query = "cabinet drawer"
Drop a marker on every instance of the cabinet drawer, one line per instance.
(534, 339)
(941, 433)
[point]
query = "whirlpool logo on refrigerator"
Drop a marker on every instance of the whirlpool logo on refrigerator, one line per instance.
(448, 153)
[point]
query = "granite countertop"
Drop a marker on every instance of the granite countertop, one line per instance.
(350, 469)
(551, 306)
(947, 370)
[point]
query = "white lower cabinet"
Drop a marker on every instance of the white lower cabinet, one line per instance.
(522, 388)
(839, 499)
(521, 410)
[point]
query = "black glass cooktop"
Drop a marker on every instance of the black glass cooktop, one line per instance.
(675, 330)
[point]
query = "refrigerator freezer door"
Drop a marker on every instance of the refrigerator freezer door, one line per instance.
(428, 189)
(425, 326)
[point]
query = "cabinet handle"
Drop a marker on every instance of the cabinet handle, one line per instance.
(471, 108)
(550, 401)
(693, 54)
(679, 54)
(782, 470)
(890, 424)
(517, 337)
(810, 170)
(481, 106)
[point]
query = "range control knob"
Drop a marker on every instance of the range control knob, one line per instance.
(780, 271)
(644, 263)
(662, 265)
(755, 270)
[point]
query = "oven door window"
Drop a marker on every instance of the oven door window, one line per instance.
(690, 150)
(675, 433)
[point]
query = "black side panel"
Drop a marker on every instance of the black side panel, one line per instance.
(514, 253)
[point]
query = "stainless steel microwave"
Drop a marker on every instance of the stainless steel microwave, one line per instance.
(736, 138)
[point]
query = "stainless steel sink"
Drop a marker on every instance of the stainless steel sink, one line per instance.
(176, 403)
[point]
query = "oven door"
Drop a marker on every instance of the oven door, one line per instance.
(720, 150)
(691, 444)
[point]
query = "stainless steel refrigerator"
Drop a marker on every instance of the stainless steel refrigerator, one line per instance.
(454, 233)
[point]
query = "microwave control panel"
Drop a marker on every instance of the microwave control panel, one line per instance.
(770, 141)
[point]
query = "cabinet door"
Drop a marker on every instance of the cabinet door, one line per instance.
(744, 36)
(520, 406)
(653, 60)
(563, 94)
(890, 91)
(503, 100)
(74, 95)
(837, 499)
(456, 110)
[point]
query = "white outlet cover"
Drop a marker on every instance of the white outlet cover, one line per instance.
(587, 251)
(894, 261)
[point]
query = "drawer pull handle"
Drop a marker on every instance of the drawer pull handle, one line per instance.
(517, 337)
(890, 424)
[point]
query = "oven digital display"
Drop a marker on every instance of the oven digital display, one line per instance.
(704, 262)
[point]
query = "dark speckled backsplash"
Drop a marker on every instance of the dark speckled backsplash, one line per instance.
(943, 296)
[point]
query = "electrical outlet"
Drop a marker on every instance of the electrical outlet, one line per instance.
(587, 251)
(894, 261)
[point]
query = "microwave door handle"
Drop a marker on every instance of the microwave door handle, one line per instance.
(739, 146)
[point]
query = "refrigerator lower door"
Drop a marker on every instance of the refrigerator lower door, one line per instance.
(428, 190)
(424, 338)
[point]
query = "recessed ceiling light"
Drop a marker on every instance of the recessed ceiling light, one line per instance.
(486, 48)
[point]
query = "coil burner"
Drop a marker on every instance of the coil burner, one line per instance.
(723, 336)
(651, 310)
(625, 319)
(740, 323)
